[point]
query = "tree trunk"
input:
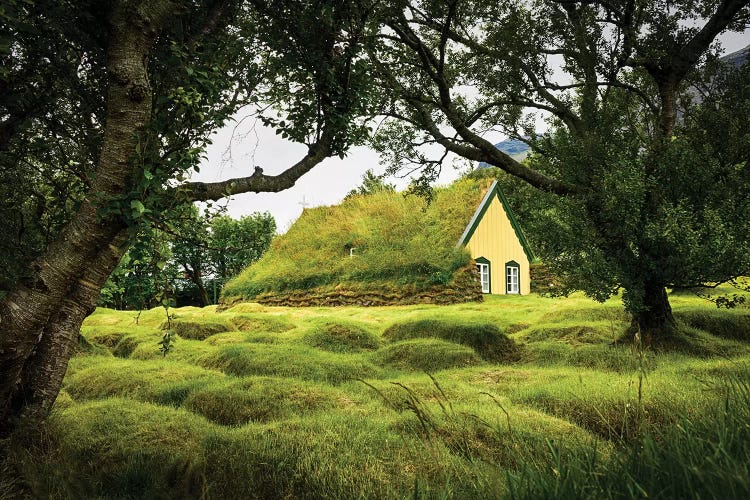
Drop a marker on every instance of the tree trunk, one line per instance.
(655, 319)
(43, 373)
(205, 300)
(60, 291)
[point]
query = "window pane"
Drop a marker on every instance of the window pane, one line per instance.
(484, 277)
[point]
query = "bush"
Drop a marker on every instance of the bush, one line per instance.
(485, 338)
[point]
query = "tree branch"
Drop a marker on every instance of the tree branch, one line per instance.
(258, 182)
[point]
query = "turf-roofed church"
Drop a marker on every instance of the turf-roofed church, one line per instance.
(498, 246)
(386, 248)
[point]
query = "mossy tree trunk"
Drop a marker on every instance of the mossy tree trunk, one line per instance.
(40, 320)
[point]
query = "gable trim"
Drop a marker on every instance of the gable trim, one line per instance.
(492, 192)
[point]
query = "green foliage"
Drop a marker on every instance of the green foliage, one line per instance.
(371, 183)
(182, 261)
(394, 238)
(237, 243)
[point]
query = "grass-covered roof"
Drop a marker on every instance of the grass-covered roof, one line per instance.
(398, 240)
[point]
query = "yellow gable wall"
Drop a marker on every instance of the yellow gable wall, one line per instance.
(495, 240)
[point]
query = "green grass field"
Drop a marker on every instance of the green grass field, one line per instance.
(523, 397)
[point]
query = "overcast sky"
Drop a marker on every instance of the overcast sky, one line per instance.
(245, 143)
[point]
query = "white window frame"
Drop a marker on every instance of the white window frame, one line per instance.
(484, 276)
(512, 279)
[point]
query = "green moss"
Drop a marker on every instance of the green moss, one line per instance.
(485, 338)
(429, 355)
(342, 337)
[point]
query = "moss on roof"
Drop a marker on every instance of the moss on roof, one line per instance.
(397, 239)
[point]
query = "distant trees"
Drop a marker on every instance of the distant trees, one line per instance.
(371, 183)
(189, 263)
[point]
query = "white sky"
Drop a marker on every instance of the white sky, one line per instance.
(326, 184)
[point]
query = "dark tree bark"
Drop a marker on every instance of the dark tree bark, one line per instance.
(655, 320)
(46, 308)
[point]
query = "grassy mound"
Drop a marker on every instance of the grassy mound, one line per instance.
(729, 325)
(265, 414)
(260, 323)
(156, 381)
(125, 449)
(287, 361)
(485, 338)
(397, 240)
(428, 355)
(260, 399)
(342, 337)
(196, 330)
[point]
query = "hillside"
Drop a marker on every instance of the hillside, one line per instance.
(376, 249)
(529, 399)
